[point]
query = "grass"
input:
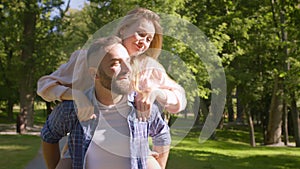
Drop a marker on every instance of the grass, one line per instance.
(223, 153)
(17, 150)
(229, 150)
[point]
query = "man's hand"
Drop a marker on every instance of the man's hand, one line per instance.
(163, 152)
(154, 154)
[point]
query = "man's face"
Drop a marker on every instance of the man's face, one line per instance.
(114, 70)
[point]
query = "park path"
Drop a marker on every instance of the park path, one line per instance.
(38, 162)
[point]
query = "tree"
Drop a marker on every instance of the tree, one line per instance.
(255, 42)
(9, 48)
(27, 49)
(31, 46)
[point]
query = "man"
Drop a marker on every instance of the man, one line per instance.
(115, 138)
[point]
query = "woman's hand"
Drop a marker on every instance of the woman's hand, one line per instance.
(85, 110)
(144, 101)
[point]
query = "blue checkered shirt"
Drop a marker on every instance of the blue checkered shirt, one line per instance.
(63, 120)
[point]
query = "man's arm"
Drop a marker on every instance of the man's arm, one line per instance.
(161, 137)
(163, 152)
(59, 123)
(51, 154)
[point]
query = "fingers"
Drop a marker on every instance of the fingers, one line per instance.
(143, 109)
(143, 103)
(93, 116)
(143, 116)
(86, 113)
(154, 154)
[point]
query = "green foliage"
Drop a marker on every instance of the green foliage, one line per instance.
(31, 46)
(248, 37)
(9, 49)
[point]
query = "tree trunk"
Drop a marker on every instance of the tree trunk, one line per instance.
(230, 107)
(265, 115)
(204, 108)
(275, 114)
(295, 120)
(27, 105)
(286, 67)
(285, 124)
(239, 106)
(9, 109)
(251, 128)
(26, 80)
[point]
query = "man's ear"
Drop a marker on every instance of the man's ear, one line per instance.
(93, 72)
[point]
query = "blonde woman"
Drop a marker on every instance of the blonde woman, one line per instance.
(141, 33)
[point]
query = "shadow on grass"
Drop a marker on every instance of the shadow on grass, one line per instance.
(193, 159)
(229, 150)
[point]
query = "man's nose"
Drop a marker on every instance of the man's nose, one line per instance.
(126, 67)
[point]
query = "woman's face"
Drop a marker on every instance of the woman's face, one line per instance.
(138, 36)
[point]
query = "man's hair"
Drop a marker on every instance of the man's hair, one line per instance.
(99, 48)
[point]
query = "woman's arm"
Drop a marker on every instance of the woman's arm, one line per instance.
(62, 85)
(172, 95)
(153, 81)
(53, 87)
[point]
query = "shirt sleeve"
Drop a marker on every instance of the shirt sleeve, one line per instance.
(176, 98)
(60, 122)
(51, 87)
(159, 129)
(153, 75)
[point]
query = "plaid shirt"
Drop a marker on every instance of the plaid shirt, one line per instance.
(64, 120)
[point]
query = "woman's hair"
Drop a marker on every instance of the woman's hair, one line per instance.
(142, 13)
(142, 65)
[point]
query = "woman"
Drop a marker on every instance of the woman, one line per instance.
(141, 34)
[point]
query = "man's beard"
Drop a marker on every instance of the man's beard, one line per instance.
(117, 86)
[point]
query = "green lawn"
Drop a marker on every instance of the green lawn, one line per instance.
(224, 153)
(17, 150)
(230, 150)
